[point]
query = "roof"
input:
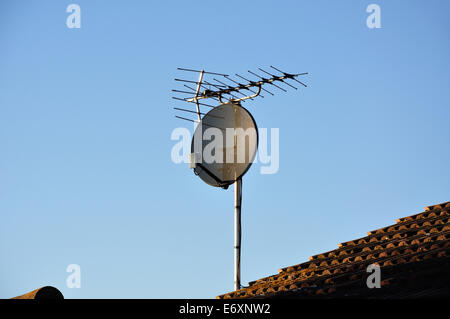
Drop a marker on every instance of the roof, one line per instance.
(47, 292)
(413, 255)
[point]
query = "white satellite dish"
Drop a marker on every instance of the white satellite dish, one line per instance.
(224, 145)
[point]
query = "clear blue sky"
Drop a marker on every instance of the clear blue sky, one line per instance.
(86, 116)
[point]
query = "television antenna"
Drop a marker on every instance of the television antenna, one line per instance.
(229, 120)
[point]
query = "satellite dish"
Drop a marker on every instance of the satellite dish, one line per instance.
(224, 144)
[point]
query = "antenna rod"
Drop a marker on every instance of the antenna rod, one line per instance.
(237, 233)
(197, 91)
(202, 71)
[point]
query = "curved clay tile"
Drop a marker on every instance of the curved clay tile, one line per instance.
(47, 292)
(396, 236)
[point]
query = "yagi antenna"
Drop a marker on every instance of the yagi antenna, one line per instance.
(229, 114)
(223, 92)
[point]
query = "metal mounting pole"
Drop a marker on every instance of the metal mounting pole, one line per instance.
(237, 233)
